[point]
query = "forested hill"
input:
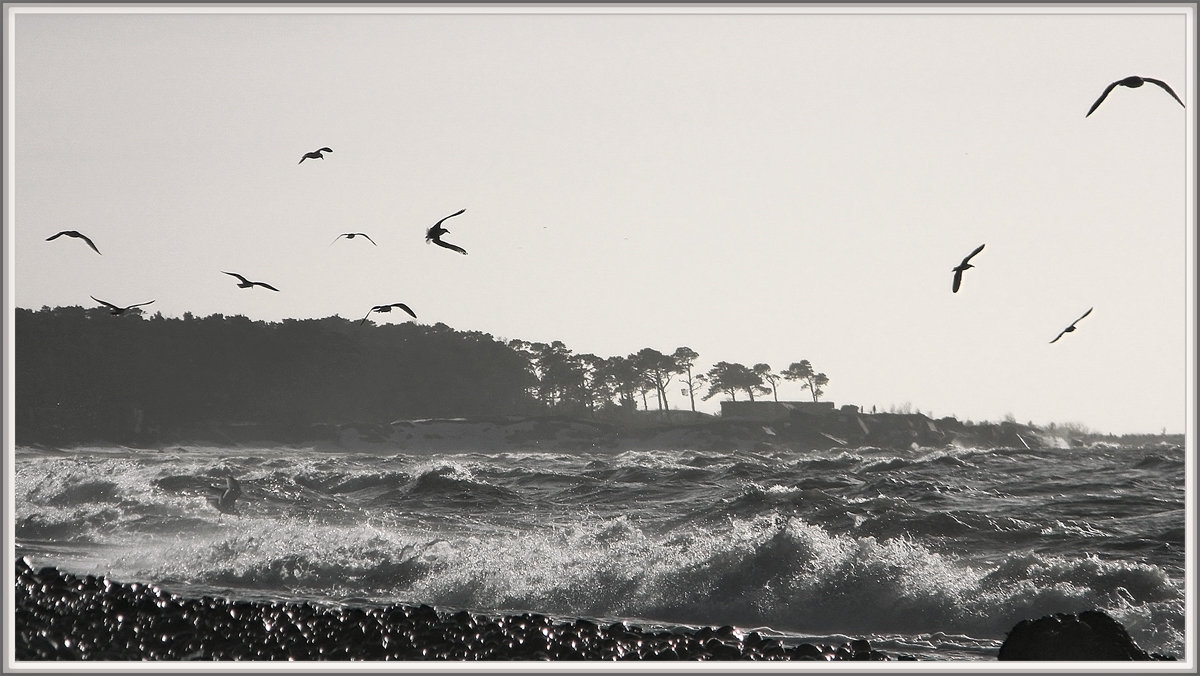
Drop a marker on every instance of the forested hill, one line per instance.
(85, 375)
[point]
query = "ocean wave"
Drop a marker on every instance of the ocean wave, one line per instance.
(958, 542)
(843, 460)
(353, 483)
(767, 571)
(87, 491)
(784, 573)
(1154, 460)
(450, 484)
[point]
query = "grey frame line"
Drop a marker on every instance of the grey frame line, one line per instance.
(7, 527)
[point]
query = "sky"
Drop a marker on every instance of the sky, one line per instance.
(771, 185)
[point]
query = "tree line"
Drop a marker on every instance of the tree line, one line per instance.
(82, 374)
(587, 382)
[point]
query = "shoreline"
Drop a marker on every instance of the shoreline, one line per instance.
(678, 430)
(61, 616)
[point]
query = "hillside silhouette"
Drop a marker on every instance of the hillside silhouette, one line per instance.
(83, 375)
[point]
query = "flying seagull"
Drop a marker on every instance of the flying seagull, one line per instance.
(1133, 82)
(119, 310)
(352, 235)
(226, 501)
(315, 155)
(388, 308)
(435, 233)
(75, 233)
(246, 284)
(1071, 327)
(963, 266)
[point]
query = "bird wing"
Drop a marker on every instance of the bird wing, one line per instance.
(56, 236)
(244, 280)
(448, 245)
(1096, 105)
(328, 150)
(104, 302)
(1082, 316)
(337, 238)
(368, 238)
(89, 242)
(957, 279)
(1060, 335)
(450, 216)
(364, 319)
(404, 307)
(1165, 86)
(139, 304)
(303, 157)
(264, 284)
(972, 254)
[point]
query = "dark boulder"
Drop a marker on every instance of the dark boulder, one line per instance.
(1090, 635)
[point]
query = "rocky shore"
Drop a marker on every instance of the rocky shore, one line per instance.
(774, 428)
(60, 616)
(646, 431)
(683, 431)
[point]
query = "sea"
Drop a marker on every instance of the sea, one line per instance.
(930, 552)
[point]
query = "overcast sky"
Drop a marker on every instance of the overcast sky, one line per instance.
(763, 187)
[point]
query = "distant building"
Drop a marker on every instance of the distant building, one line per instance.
(774, 410)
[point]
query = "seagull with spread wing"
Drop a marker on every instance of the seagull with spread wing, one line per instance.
(75, 233)
(352, 235)
(1071, 328)
(115, 310)
(388, 308)
(434, 234)
(1133, 82)
(963, 267)
(315, 155)
(246, 284)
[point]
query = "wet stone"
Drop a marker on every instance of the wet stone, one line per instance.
(64, 617)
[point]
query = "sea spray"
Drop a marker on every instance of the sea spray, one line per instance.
(945, 547)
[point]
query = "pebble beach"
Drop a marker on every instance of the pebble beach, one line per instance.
(61, 616)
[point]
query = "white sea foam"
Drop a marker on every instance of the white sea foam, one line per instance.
(920, 546)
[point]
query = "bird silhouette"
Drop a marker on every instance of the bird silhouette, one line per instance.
(315, 155)
(963, 267)
(1133, 82)
(246, 284)
(387, 308)
(75, 233)
(1071, 328)
(119, 310)
(226, 501)
(352, 235)
(434, 234)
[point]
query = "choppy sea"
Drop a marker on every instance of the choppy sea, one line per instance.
(931, 552)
